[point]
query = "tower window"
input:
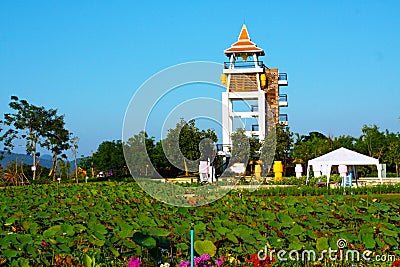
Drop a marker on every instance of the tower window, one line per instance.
(254, 127)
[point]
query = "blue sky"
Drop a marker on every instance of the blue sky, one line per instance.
(87, 58)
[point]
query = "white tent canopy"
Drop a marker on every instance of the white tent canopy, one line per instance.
(342, 156)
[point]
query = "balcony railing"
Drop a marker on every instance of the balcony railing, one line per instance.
(282, 77)
(243, 64)
(283, 102)
(283, 119)
(223, 147)
(283, 98)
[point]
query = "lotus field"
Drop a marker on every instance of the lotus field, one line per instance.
(117, 224)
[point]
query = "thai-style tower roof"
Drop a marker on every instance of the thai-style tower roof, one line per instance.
(244, 44)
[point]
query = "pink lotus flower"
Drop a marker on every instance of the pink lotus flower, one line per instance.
(197, 260)
(205, 257)
(184, 263)
(134, 262)
(220, 261)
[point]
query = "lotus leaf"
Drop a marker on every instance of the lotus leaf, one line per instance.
(205, 247)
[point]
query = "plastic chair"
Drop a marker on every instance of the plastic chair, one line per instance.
(347, 181)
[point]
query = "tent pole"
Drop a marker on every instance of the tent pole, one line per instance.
(328, 175)
(378, 166)
(355, 174)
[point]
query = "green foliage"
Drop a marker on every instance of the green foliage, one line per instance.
(310, 146)
(64, 168)
(268, 149)
(186, 145)
(240, 146)
(38, 127)
(303, 180)
(392, 154)
(86, 163)
(284, 145)
(107, 223)
(56, 137)
(183, 147)
(161, 163)
(74, 142)
(205, 247)
(147, 158)
(27, 122)
(344, 141)
(255, 147)
(137, 151)
(382, 145)
(109, 156)
(371, 141)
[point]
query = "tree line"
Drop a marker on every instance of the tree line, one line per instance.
(37, 128)
(291, 148)
(175, 155)
(178, 153)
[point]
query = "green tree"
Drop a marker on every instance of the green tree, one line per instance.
(392, 154)
(371, 141)
(63, 169)
(240, 146)
(284, 145)
(310, 146)
(38, 126)
(344, 141)
(185, 145)
(110, 156)
(86, 163)
(138, 150)
(193, 143)
(1, 150)
(268, 149)
(16, 172)
(27, 122)
(74, 144)
(26, 119)
(161, 163)
(255, 146)
(56, 137)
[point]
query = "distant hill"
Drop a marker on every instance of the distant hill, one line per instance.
(46, 157)
(45, 160)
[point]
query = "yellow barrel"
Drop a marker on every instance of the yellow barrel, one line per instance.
(223, 78)
(263, 79)
(278, 170)
(257, 171)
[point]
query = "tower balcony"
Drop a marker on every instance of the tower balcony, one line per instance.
(253, 133)
(222, 149)
(283, 119)
(283, 102)
(244, 67)
(244, 114)
(282, 79)
(254, 108)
